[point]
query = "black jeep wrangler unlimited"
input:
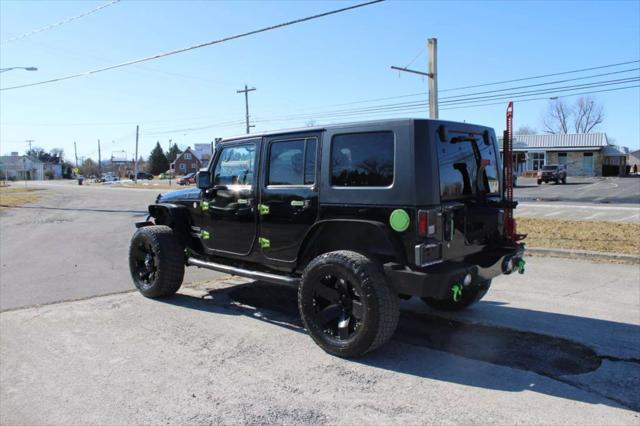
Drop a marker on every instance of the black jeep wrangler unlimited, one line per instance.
(355, 216)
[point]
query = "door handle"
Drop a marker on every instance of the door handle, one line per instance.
(301, 204)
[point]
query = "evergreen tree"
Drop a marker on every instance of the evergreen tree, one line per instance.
(173, 153)
(158, 162)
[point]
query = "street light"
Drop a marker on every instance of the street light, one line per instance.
(19, 68)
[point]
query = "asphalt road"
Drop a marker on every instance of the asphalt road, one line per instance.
(612, 190)
(71, 244)
(542, 348)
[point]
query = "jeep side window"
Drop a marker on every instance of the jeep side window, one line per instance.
(235, 165)
(292, 162)
(363, 159)
(285, 163)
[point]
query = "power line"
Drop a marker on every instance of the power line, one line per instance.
(198, 46)
(57, 24)
(541, 76)
(421, 105)
(543, 84)
(405, 105)
(479, 85)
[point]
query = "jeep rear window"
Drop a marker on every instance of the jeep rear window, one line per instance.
(292, 162)
(362, 159)
(459, 166)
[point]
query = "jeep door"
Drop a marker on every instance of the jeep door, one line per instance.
(229, 216)
(289, 195)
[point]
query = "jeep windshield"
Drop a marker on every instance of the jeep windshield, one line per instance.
(461, 158)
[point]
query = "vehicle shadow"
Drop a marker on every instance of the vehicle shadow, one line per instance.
(553, 357)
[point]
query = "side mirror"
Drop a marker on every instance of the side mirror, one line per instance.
(203, 179)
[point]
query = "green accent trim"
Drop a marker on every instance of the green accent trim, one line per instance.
(452, 229)
(457, 292)
(520, 266)
(205, 235)
(204, 205)
(297, 203)
(264, 243)
(399, 220)
(263, 209)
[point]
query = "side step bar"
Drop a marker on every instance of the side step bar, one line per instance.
(256, 275)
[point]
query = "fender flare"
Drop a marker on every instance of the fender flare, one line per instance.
(173, 215)
(365, 236)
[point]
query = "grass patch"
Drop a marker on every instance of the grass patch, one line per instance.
(13, 196)
(581, 235)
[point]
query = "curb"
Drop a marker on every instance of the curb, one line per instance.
(583, 254)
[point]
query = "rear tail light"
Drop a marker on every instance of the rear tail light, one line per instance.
(426, 223)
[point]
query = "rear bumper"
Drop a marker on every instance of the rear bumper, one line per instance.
(436, 281)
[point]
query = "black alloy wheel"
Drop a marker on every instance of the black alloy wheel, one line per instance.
(346, 304)
(156, 261)
(338, 307)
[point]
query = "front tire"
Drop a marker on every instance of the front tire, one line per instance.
(156, 261)
(346, 304)
(469, 297)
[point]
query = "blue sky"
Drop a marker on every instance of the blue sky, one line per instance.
(307, 68)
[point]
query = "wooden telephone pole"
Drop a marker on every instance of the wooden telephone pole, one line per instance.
(432, 75)
(246, 103)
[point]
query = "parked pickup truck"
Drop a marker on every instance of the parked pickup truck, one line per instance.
(553, 173)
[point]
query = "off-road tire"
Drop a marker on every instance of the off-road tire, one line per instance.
(469, 297)
(168, 254)
(539, 182)
(380, 303)
(564, 180)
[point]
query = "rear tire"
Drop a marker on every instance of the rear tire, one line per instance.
(469, 297)
(156, 261)
(539, 181)
(564, 180)
(346, 304)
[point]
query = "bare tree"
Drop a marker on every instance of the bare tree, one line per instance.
(526, 130)
(587, 114)
(557, 117)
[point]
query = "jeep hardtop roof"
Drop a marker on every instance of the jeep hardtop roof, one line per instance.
(390, 121)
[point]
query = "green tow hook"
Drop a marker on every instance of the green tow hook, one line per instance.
(520, 266)
(456, 291)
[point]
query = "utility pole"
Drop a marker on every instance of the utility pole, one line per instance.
(432, 75)
(99, 161)
(246, 103)
(75, 151)
(432, 46)
(135, 162)
(30, 141)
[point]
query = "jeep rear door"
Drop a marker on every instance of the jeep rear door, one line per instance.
(288, 194)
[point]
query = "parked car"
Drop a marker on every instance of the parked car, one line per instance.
(142, 175)
(110, 178)
(187, 179)
(354, 216)
(553, 172)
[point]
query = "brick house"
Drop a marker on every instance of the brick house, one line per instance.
(585, 154)
(187, 162)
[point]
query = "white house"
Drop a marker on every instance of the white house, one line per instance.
(21, 167)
